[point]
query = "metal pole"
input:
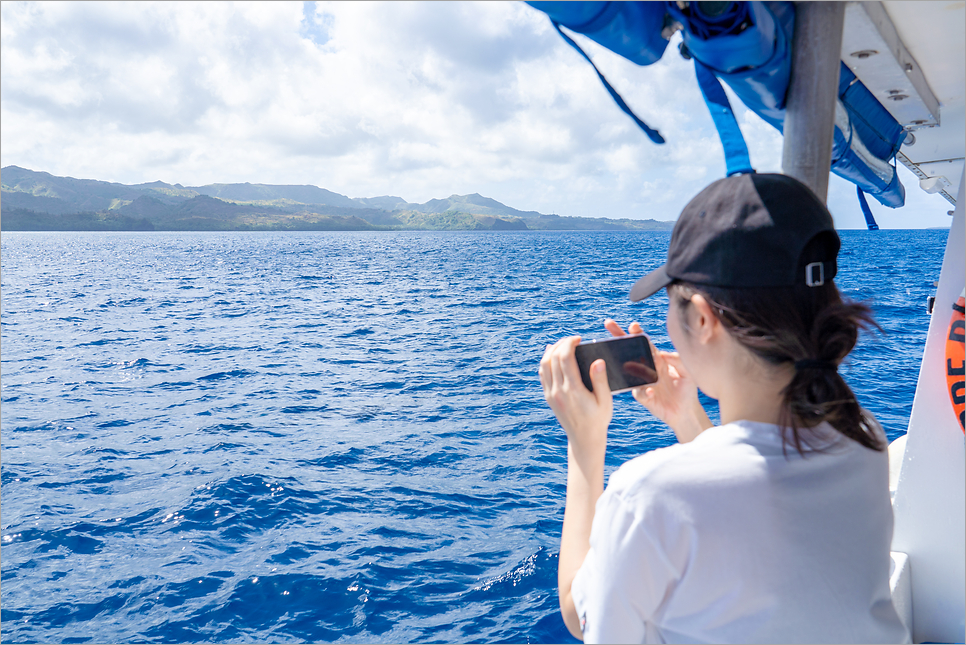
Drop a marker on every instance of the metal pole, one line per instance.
(812, 93)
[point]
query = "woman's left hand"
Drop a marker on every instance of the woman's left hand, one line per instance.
(673, 397)
(583, 414)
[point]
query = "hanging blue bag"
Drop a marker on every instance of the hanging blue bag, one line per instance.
(748, 46)
(631, 29)
(866, 138)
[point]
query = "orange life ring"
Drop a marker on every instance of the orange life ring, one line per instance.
(955, 360)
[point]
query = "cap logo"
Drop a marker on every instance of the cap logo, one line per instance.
(811, 273)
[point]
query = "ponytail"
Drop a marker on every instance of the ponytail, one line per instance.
(812, 328)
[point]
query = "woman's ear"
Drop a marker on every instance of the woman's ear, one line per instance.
(704, 324)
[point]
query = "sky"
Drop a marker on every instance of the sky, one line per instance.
(418, 100)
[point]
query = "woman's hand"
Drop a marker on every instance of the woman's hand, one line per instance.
(674, 397)
(583, 414)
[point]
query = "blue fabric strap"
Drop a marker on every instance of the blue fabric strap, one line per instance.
(654, 135)
(869, 220)
(736, 152)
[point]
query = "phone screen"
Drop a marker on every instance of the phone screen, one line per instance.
(628, 360)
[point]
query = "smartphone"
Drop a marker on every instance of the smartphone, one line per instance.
(628, 360)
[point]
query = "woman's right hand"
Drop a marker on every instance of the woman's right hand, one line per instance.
(673, 398)
(583, 414)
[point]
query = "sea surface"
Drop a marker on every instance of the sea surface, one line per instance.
(291, 437)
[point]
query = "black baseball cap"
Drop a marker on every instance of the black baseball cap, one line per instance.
(749, 230)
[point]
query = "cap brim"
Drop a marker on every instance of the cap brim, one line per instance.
(650, 284)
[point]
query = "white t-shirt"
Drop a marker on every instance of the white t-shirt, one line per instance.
(725, 540)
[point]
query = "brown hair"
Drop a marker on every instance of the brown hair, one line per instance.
(811, 326)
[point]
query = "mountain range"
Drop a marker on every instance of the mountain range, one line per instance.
(37, 201)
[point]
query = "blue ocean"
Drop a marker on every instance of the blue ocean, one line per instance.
(308, 437)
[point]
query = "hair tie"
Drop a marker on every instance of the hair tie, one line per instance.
(812, 364)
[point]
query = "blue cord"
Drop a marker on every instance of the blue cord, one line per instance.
(654, 135)
(869, 220)
(737, 159)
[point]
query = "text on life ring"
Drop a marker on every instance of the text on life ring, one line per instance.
(955, 360)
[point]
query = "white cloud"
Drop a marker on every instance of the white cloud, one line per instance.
(420, 100)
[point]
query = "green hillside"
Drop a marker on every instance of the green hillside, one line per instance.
(39, 201)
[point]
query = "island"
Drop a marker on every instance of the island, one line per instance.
(38, 201)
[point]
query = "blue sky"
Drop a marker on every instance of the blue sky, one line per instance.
(419, 100)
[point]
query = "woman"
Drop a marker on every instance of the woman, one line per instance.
(775, 525)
